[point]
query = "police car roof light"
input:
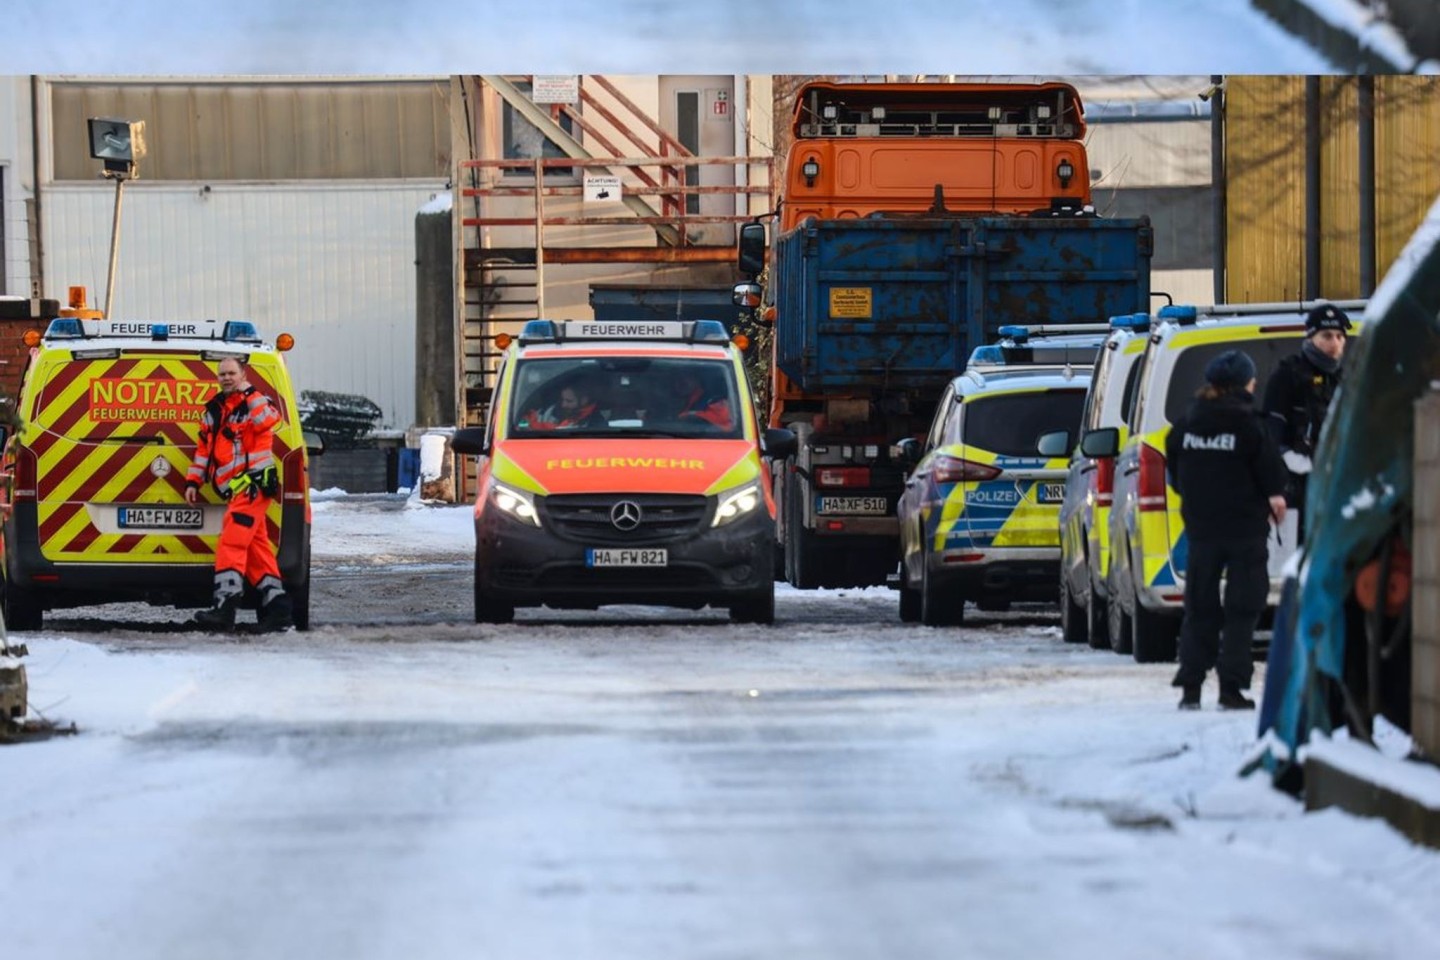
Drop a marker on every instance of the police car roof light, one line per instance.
(1180, 314)
(1015, 332)
(709, 331)
(987, 354)
(539, 331)
(1137, 322)
(63, 328)
(239, 330)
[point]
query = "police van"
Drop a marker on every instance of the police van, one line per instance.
(108, 417)
(621, 463)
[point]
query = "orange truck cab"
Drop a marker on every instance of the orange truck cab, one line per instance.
(621, 463)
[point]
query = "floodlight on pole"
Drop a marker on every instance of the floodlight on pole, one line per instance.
(118, 144)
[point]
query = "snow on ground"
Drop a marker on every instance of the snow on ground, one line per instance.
(641, 36)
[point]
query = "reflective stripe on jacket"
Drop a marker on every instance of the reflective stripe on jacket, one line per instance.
(236, 433)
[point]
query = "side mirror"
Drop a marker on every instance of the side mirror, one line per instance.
(908, 451)
(751, 249)
(470, 440)
(778, 443)
(746, 295)
(314, 442)
(1101, 443)
(1056, 444)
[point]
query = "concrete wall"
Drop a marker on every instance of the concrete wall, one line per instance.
(1425, 600)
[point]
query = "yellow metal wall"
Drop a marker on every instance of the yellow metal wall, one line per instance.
(1265, 163)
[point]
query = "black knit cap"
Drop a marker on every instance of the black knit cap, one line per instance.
(1232, 370)
(1326, 316)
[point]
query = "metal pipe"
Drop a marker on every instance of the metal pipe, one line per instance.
(37, 237)
(1311, 287)
(1217, 182)
(114, 247)
(1367, 184)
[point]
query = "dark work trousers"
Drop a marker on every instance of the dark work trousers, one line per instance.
(1215, 634)
(1295, 499)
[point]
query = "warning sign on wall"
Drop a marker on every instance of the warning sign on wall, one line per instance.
(555, 88)
(850, 303)
(601, 188)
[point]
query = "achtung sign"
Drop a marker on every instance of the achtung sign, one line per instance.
(851, 303)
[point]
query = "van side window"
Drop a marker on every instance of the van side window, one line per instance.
(943, 412)
(1132, 389)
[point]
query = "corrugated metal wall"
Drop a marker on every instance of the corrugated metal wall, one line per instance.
(1265, 160)
(332, 263)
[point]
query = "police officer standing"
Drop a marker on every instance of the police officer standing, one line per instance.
(1299, 392)
(1231, 479)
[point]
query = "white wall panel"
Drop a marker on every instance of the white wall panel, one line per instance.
(331, 263)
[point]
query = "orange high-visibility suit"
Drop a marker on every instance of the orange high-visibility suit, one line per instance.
(234, 452)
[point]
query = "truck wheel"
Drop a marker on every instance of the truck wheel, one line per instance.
(1073, 626)
(936, 608)
(909, 600)
(1154, 636)
(487, 608)
(802, 552)
(759, 610)
(22, 610)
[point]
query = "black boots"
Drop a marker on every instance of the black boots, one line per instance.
(1233, 699)
(275, 616)
(1190, 698)
(219, 617)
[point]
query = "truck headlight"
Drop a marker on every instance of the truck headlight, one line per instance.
(517, 503)
(736, 503)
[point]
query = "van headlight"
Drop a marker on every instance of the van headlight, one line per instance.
(736, 503)
(517, 503)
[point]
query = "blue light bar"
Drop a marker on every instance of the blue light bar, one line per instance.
(709, 331)
(1137, 322)
(242, 330)
(65, 328)
(539, 331)
(987, 354)
(1180, 314)
(1015, 332)
(159, 331)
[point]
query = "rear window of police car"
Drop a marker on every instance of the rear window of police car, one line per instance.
(1189, 373)
(1009, 424)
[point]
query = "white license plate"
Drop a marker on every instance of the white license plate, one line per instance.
(626, 557)
(1052, 492)
(161, 518)
(852, 505)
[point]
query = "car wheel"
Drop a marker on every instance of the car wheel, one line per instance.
(936, 608)
(909, 600)
(759, 610)
(488, 609)
(22, 609)
(1118, 625)
(1154, 636)
(1095, 621)
(1073, 628)
(300, 606)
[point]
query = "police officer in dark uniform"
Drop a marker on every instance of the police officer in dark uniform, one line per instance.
(1231, 479)
(1298, 394)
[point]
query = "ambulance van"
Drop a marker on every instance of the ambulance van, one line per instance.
(108, 417)
(621, 463)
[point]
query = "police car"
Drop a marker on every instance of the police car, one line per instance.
(1041, 345)
(109, 414)
(979, 513)
(621, 463)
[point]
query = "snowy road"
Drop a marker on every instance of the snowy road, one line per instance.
(643, 36)
(399, 782)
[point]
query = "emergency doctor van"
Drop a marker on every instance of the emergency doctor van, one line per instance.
(108, 415)
(621, 463)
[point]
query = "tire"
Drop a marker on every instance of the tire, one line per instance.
(936, 608)
(760, 610)
(1095, 619)
(1074, 627)
(1119, 626)
(22, 610)
(803, 560)
(909, 601)
(1154, 636)
(300, 606)
(487, 608)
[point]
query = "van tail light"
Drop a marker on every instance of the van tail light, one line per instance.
(24, 490)
(1104, 481)
(842, 476)
(1152, 479)
(954, 470)
(293, 478)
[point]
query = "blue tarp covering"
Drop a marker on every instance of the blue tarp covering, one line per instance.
(1360, 491)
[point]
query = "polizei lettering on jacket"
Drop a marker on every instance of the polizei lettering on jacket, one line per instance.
(1221, 441)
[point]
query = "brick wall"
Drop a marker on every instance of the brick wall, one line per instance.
(12, 354)
(1425, 598)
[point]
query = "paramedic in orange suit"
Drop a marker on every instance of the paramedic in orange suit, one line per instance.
(234, 453)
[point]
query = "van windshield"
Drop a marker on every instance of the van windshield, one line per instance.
(625, 396)
(1189, 372)
(1010, 424)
